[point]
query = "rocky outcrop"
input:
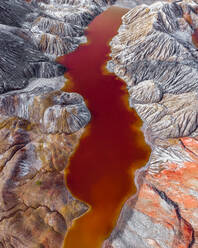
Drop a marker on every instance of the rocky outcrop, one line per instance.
(36, 32)
(156, 54)
(132, 3)
(39, 129)
(52, 111)
(35, 209)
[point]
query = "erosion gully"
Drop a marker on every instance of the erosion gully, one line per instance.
(101, 170)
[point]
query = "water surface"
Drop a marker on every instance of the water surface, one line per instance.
(101, 171)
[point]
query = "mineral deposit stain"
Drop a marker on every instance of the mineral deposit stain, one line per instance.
(101, 171)
(189, 20)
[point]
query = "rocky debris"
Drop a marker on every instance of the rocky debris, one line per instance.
(155, 52)
(35, 207)
(53, 111)
(40, 127)
(34, 33)
(155, 55)
(14, 13)
(39, 130)
(133, 3)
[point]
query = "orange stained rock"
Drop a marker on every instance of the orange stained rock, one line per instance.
(179, 186)
(178, 190)
(188, 18)
(153, 243)
(180, 183)
(153, 203)
(101, 171)
(191, 145)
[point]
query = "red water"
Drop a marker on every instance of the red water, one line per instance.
(101, 171)
(195, 37)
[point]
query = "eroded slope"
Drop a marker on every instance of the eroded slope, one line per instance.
(156, 56)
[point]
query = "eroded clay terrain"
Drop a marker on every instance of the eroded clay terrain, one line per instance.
(155, 53)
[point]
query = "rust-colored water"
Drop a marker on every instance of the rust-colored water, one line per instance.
(101, 171)
(195, 37)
